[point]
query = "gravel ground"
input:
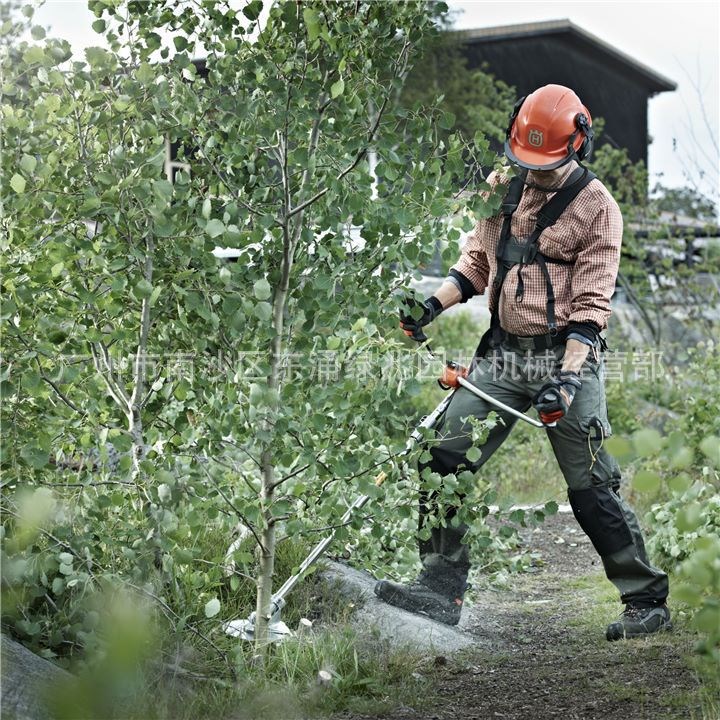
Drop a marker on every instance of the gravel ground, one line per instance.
(549, 659)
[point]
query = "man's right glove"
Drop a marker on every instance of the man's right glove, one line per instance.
(553, 400)
(415, 315)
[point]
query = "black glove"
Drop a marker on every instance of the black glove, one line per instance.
(553, 400)
(415, 315)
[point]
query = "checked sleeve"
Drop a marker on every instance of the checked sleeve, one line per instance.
(596, 268)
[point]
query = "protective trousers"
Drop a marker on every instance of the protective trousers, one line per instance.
(591, 473)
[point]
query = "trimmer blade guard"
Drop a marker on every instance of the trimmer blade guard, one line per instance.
(245, 630)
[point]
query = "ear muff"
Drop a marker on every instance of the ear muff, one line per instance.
(583, 126)
(513, 115)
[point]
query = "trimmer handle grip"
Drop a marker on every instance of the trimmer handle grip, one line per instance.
(417, 335)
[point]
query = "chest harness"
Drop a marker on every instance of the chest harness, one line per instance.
(512, 251)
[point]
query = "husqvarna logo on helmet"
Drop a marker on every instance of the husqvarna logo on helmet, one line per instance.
(535, 138)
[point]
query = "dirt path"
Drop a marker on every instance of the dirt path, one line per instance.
(555, 661)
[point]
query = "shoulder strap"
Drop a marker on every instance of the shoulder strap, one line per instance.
(509, 206)
(513, 194)
(550, 213)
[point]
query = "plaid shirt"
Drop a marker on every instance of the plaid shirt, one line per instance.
(589, 233)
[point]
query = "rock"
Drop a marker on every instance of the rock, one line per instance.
(26, 678)
(402, 628)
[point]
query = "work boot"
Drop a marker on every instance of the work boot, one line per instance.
(423, 598)
(638, 621)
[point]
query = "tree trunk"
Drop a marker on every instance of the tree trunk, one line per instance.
(263, 610)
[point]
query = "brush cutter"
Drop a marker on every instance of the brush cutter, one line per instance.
(277, 629)
(453, 377)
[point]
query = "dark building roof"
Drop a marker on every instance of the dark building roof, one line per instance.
(610, 83)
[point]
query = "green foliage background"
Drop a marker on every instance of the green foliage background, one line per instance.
(156, 400)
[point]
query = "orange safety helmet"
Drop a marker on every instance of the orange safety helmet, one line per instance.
(548, 128)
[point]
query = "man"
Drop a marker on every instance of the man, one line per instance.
(549, 263)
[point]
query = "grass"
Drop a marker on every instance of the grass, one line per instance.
(181, 675)
(599, 600)
(366, 676)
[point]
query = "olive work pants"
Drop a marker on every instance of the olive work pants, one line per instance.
(591, 473)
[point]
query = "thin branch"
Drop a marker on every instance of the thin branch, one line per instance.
(84, 485)
(240, 515)
(242, 449)
(139, 371)
(168, 610)
(103, 358)
(360, 155)
(61, 394)
(291, 475)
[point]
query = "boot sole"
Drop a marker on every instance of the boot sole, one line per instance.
(665, 627)
(396, 599)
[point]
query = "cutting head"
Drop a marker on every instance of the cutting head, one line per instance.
(245, 629)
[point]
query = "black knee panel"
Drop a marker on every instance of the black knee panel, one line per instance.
(597, 511)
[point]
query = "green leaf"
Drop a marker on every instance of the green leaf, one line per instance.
(710, 447)
(180, 43)
(647, 442)
(145, 73)
(99, 26)
(262, 289)
(89, 205)
(337, 88)
(33, 55)
(551, 507)
(447, 121)
(707, 619)
(143, 289)
(646, 481)
(687, 594)
(214, 228)
(680, 483)
(37, 32)
(96, 56)
(35, 456)
(473, 454)
(207, 208)
(683, 458)
(252, 10)
(311, 22)
(689, 517)
(181, 390)
(28, 163)
(163, 189)
(263, 311)
(17, 183)
(212, 608)
(620, 447)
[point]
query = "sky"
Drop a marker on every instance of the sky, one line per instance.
(677, 39)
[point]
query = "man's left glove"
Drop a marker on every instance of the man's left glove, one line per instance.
(553, 400)
(417, 315)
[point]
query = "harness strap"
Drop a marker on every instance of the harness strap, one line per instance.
(509, 254)
(509, 206)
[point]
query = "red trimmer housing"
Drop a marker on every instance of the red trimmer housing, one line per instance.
(451, 373)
